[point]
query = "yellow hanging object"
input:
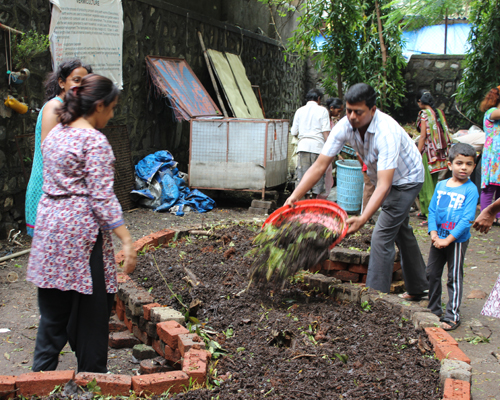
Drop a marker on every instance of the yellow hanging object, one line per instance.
(16, 105)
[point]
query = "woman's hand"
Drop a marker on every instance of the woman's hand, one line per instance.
(130, 258)
(484, 221)
(291, 200)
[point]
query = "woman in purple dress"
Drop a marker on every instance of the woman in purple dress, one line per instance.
(72, 260)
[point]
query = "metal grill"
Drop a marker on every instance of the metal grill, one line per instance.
(243, 154)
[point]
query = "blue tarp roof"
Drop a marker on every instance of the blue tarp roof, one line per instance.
(430, 40)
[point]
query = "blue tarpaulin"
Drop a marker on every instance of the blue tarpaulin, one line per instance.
(159, 185)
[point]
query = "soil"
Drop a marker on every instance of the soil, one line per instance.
(292, 344)
(360, 240)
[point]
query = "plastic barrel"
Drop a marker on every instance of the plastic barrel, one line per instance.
(349, 185)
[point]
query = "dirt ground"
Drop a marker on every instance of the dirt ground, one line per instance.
(19, 314)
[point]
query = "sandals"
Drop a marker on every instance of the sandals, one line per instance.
(423, 223)
(453, 325)
(496, 222)
(421, 216)
(412, 297)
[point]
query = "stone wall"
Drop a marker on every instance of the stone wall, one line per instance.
(151, 27)
(440, 74)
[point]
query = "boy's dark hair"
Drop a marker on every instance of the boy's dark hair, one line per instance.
(334, 102)
(313, 94)
(361, 92)
(462, 149)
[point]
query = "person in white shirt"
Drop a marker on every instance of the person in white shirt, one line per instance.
(394, 164)
(311, 123)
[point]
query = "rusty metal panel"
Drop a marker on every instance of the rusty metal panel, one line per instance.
(174, 79)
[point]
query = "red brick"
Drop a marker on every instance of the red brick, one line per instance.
(456, 390)
(129, 324)
(120, 340)
(147, 310)
(142, 336)
(439, 337)
(188, 341)
(8, 384)
(168, 331)
(195, 365)
(159, 347)
(363, 278)
(358, 268)
(120, 309)
(145, 242)
(397, 267)
(316, 268)
(110, 384)
(115, 325)
(42, 383)
(164, 236)
(346, 276)
(172, 355)
(335, 265)
(450, 352)
(152, 367)
(122, 277)
(397, 276)
(173, 382)
(119, 257)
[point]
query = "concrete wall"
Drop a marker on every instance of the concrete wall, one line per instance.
(440, 74)
(152, 27)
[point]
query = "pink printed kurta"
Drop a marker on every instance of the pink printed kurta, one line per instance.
(78, 200)
(492, 306)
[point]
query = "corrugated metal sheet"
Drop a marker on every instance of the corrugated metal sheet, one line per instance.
(175, 80)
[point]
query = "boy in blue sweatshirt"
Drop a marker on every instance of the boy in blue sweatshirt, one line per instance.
(451, 214)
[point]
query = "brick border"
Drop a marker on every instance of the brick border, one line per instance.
(162, 328)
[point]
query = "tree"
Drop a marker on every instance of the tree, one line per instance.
(359, 46)
(482, 62)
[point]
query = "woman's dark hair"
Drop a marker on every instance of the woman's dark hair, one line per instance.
(361, 92)
(425, 97)
(463, 149)
(52, 88)
(82, 100)
(491, 100)
(334, 102)
(313, 94)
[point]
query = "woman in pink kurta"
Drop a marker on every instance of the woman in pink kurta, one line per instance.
(72, 260)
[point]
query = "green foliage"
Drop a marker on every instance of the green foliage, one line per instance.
(482, 62)
(28, 46)
(352, 51)
(366, 306)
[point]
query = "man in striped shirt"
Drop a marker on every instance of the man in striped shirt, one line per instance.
(395, 167)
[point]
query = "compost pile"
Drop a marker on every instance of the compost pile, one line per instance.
(283, 251)
(361, 240)
(288, 344)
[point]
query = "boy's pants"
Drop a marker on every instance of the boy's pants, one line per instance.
(454, 255)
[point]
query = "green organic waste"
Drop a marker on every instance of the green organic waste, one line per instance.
(281, 252)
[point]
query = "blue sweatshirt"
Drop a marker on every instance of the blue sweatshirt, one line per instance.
(453, 210)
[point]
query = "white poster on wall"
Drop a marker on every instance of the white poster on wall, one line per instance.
(91, 30)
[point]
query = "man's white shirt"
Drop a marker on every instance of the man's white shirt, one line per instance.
(309, 123)
(386, 146)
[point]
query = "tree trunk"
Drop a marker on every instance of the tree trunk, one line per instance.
(383, 49)
(445, 30)
(339, 86)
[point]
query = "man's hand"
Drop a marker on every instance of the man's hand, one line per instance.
(484, 221)
(291, 200)
(355, 224)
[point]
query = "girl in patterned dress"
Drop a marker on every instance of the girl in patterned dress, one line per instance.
(69, 73)
(490, 163)
(72, 260)
(433, 145)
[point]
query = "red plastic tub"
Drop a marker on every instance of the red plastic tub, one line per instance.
(324, 212)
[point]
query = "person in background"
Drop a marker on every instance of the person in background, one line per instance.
(335, 108)
(433, 145)
(311, 123)
(72, 260)
(395, 165)
(451, 212)
(69, 73)
(490, 163)
(483, 224)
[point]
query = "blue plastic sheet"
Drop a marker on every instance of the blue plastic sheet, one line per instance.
(159, 186)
